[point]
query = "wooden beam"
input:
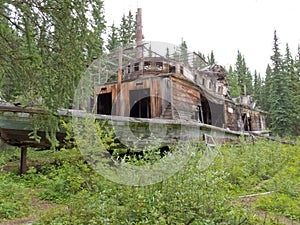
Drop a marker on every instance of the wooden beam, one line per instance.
(23, 165)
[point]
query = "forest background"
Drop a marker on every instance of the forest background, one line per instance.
(46, 47)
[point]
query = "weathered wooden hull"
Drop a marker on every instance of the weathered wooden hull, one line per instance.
(16, 123)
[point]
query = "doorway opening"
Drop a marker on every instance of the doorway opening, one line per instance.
(205, 113)
(247, 122)
(104, 104)
(140, 105)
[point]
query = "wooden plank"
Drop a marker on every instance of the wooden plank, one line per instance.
(23, 165)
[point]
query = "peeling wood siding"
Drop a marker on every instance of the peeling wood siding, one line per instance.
(232, 116)
(109, 88)
(166, 93)
(185, 99)
(255, 121)
(263, 122)
(155, 97)
(173, 98)
(217, 114)
(151, 84)
(123, 99)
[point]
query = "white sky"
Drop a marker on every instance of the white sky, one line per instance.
(224, 26)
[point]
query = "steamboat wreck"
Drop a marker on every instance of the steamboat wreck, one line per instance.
(151, 88)
(158, 83)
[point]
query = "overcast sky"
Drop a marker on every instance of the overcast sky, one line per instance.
(224, 26)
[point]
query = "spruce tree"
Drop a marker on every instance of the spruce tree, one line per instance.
(234, 87)
(127, 29)
(293, 72)
(280, 102)
(266, 89)
(243, 74)
(122, 35)
(183, 52)
(211, 58)
(113, 39)
(257, 88)
(45, 48)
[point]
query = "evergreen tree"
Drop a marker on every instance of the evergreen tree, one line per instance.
(113, 39)
(127, 29)
(243, 74)
(183, 52)
(199, 60)
(211, 58)
(290, 71)
(45, 47)
(48, 48)
(233, 83)
(257, 88)
(266, 89)
(122, 35)
(280, 105)
(201, 55)
(296, 95)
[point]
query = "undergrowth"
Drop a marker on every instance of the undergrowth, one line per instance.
(191, 196)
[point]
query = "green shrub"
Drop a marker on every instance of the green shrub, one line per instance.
(14, 199)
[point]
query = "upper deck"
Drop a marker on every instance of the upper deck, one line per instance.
(156, 58)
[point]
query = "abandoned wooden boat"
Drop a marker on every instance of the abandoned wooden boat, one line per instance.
(17, 126)
(149, 90)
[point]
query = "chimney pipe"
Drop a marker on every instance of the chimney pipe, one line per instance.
(139, 32)
(139, 29)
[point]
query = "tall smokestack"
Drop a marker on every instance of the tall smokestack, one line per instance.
(139, 32)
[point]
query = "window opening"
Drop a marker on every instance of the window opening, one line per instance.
(159, 66)
(136, 67)
(128, 69)
(146, 65)
(172, 69)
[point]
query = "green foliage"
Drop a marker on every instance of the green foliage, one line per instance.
(211, 58)
(266, 88)
(286, 185)
(233, 83)
(190, 196)
(257, 89)
(281, 106)
(14, 199)
(240, 78)
(243, 74)
(45, 47)
(278, 93)
(113, 41)
(124, 34)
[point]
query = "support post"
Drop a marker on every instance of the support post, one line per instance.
(119, 84)
(23, 166)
